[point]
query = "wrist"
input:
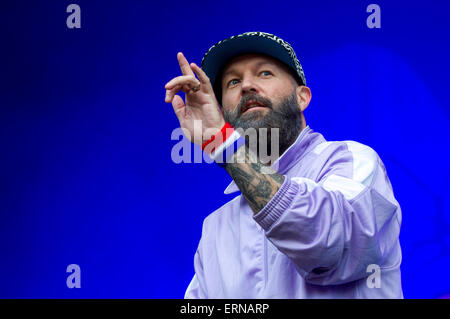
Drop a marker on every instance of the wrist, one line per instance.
(215, 137)
(224, 145)
(210, 132)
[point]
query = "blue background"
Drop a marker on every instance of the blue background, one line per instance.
(86, 175)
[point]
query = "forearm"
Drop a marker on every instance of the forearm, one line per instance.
(258, 183)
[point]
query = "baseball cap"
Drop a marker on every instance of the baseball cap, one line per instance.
(249, 42)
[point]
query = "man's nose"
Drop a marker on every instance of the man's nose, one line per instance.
(248, 86)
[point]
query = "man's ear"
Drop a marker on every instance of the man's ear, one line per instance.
(303, 96)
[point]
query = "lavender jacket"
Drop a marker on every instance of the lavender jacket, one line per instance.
(331, 231)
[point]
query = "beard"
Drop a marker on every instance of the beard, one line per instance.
(286, 117)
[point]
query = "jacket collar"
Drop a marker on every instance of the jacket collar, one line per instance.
(291, 156)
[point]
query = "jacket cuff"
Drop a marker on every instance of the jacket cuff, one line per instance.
(278, 204)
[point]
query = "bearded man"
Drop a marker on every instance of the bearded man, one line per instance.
(318, 221)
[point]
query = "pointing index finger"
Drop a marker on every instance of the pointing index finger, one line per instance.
(184, 65)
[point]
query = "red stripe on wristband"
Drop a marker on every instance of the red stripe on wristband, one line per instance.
(222, 135)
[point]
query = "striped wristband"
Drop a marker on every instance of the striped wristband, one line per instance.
(229, 144)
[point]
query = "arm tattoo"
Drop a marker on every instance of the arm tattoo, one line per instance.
(257, 182)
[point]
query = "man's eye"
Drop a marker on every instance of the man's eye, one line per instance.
(232, 82)
(266, 73)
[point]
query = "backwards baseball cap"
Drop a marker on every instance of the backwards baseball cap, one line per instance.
(222, 52)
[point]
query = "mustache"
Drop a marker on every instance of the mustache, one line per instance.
(253, 97)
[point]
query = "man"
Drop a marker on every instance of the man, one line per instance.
(320, 221)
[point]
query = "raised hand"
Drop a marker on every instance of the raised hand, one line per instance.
(201, 112)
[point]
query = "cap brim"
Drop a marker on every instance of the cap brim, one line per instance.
(219, 55)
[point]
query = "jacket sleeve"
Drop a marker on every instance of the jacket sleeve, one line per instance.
(333, 228)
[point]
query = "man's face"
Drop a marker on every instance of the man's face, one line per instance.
(259, 92)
